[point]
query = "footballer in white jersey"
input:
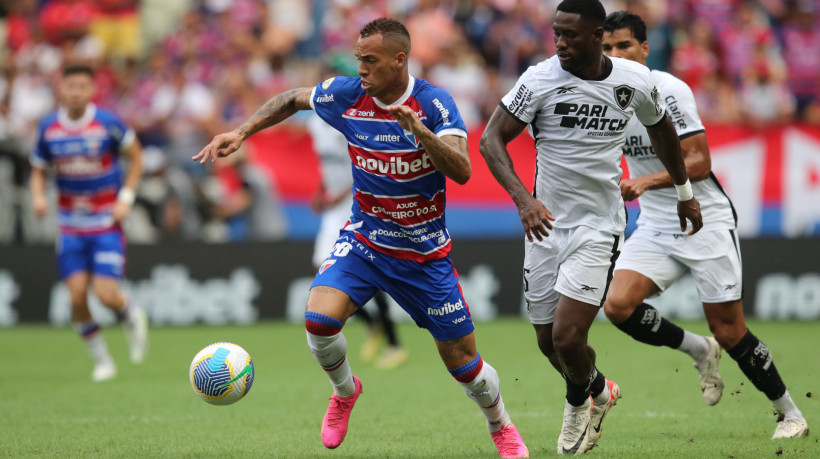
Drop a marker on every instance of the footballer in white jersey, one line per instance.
(577, 106)
(658, 253)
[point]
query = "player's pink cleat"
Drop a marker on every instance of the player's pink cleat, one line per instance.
(334, 425)
(509, 442)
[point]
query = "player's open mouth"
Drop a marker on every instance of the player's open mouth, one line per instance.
(365, 85)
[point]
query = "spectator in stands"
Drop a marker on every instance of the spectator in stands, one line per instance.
(117, 25)
(801, 42)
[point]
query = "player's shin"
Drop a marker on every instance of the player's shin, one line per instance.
(755, 361)
(91, 334)
(648, 326)
(480, 381)
(329, 347)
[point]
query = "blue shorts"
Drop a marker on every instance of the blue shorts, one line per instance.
(99, 254)
(429, 291)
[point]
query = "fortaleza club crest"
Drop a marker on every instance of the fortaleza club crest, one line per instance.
(623, 95)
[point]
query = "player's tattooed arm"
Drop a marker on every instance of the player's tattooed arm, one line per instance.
(277, 109)
(501, 130)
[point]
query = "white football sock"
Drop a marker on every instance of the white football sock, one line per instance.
(95, 343)
(485, 391)
(331, 353)
(786, 405)
(694, 345)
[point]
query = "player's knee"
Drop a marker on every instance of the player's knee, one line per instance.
(107, 297)
(727, 334)
(618, 306)
(568, 341)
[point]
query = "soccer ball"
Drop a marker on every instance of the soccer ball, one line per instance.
(222, 373)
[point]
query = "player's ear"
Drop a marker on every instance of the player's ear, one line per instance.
(644, 50)
(401, 59)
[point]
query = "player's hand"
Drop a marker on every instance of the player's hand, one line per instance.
(120, 211)
(406, 117)
(536, 218)
(690, 210)
(40, 205)
(632, 188)
(220, 147)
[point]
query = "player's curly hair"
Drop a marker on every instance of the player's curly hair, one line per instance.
(390, 29)
(589, 9)
(626, 20)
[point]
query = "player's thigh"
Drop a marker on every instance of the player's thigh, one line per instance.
(77, 285)
(649, 253)
(73, 255)
(714, 260)
(345, 280)
(627, 291)
(108, 255)
(586, 266)
(572, 321)
(541, 263)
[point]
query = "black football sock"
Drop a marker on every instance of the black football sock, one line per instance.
(576, 395)
(647, 326)
(597, 383)
(755, 361)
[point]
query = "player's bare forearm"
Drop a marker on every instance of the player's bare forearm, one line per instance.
(134, 155)
(666, 143)
(37, 182)
(277, 109)
(696, 158)
(449, 154)
(501, 130)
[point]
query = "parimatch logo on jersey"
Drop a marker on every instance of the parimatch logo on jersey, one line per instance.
(592, 117)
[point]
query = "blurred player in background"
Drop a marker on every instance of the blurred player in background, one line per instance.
(656, 255)
(85, 144)
(405, 137)
(577, 105)
(334, 200)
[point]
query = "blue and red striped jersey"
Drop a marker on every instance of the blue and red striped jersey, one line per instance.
(86, 156)
(399, 195)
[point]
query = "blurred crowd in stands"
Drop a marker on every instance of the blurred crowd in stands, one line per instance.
(180, 71)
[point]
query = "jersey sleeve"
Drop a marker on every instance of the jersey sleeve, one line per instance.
(331, 98)
(443, 115)
(649, 106)
(40, 156)
(520, 101)
(681, 107)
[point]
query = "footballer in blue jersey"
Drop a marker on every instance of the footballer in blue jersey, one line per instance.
(405, 137)
(85, 144)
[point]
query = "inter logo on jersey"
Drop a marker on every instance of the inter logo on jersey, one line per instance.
(623, 95)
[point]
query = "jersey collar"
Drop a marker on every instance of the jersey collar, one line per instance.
(410, 84)
(90, 112)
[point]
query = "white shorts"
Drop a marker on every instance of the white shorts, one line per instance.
(713, 258)
(575, 262)
(333, 219)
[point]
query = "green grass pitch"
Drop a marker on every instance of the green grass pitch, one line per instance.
(50, 407)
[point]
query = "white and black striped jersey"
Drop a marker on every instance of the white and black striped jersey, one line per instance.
(579, 127)
(659, 207)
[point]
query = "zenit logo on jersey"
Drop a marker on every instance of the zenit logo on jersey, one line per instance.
(85, 154)
(399, 195)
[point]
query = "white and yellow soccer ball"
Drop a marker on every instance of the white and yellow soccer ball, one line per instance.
(222, 373)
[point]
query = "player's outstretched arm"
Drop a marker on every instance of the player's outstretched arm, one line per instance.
(449, 153)
(666, 143)
(501, 130)
(275, 110)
